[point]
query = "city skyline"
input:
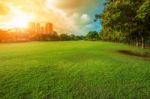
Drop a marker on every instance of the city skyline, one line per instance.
(33, 27)
(40, 27)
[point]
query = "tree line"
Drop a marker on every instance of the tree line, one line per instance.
(6, 36)
(126, 21)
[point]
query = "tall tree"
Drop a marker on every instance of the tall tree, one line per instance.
(126, 18)
(93, 35)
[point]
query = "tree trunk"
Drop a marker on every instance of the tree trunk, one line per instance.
(137, 42)
(143, 42)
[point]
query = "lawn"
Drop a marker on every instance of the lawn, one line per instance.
(73, 70)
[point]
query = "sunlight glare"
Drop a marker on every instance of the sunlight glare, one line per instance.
(20, 20)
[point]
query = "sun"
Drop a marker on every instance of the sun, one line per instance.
(20, 19)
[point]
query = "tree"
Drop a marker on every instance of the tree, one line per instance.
(129, 18)
(143, 18)
(64, 37)
(93, 35)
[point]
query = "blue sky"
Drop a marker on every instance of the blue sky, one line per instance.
(91, 11)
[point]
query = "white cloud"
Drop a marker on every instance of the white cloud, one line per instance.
(85, 18)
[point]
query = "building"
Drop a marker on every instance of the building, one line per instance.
(48, 28)
(38, 28)
(44, 28)
(32, 27)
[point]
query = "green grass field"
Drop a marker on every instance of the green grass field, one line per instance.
(72, 70)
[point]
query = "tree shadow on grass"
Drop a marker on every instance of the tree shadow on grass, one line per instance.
(144, 55)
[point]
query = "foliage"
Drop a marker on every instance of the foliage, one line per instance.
(128, 17)
(53, 36)
(64, 37)
(93, 36)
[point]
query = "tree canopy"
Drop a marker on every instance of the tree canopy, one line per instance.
(126, 20)
(93, 35)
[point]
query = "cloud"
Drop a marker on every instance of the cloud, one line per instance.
(85, 18)
(3, 9)
(66, 15)
(76, 4)
(71, 6)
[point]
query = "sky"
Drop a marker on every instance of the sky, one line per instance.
(67, 16)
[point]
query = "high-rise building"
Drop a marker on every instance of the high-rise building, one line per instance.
(40, 27)
(48, 28)
(32, 27)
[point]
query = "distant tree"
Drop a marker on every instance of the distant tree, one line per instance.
(93, 35)
(72, 37)
(64, 37)
(80, 37)
(54, 36)
(76, 37)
